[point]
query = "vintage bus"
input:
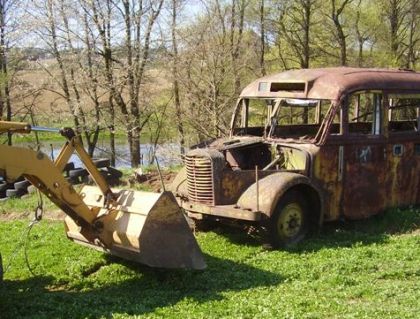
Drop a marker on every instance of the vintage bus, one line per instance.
(310, 146)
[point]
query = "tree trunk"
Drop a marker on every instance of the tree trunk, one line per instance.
(262, 38)
(57, 55)
(307, 5)
(175, 83)
(394, 26)
(134, 102)
(411, 55)
(359, 37)
(111, 128)
(5, 94)
(8, 102)
(104, 30)
(360, 54)
(236, 41)
(341, 37)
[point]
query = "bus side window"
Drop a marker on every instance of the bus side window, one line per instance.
(404, 113)
(364, 113)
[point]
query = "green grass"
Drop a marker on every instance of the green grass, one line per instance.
(368, 269)
(26, 204)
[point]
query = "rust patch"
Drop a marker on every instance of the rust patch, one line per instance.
(364, 158)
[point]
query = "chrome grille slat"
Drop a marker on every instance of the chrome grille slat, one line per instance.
(200, 179)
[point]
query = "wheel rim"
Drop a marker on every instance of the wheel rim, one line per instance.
(290, 220)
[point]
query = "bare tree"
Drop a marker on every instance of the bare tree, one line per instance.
(395, 12)
(413, 36)
(206, 66)
(237, 18)
(295, 23)
(55, 34)
(336, 13)
(262, 37)
(7, 7)
(139, 19)
(108, 53)
(76, 67)
(362, 34)
(101, 15)
(214, 58)
(175, 73)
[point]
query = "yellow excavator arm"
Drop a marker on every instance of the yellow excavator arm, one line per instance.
(145, 227)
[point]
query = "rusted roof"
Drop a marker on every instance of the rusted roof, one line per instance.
(331, 83)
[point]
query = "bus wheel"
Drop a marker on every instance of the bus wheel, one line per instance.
(289, 222)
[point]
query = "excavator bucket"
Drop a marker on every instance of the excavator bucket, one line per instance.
(148, 228)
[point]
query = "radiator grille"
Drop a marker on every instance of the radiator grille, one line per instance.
(200, 179)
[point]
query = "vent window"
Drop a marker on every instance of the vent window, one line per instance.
(289, 87)
(263, 86)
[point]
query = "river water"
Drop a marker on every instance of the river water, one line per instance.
(167, 154)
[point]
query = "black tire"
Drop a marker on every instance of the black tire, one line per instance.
(289, 223)
(85, 179)
(73, 180)
(68, 167)
(22, 185)
(78, 172)
(113, 181)
(19, 179)
(104, 174)
(90, 178)
(15, 192)
(102, 162)
(3, 187)
(114, 172)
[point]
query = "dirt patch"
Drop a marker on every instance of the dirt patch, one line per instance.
(155, 183)
(152, 180)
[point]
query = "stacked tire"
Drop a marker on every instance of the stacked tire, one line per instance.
(81, 175)
(74, 175)
(16, 189)
(3, 188)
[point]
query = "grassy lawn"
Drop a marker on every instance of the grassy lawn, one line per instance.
(368, 269)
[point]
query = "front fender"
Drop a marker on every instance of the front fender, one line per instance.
(271, 189)
(179, 184)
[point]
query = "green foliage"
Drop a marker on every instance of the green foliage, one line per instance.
(365, 269)
(219, 52)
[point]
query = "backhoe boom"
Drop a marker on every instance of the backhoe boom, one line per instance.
(145, 227)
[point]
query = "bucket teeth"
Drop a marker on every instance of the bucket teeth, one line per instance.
(154, 233)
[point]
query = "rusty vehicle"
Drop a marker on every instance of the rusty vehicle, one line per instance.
(144, 227)
(310, 146)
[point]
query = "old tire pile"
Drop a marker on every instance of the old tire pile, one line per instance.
(81, 175)
(16, 189)
(74, 175)
(3, 188)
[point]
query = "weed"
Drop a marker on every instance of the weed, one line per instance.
(366, 269)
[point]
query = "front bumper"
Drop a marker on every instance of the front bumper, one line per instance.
(228, 211)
